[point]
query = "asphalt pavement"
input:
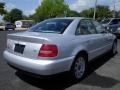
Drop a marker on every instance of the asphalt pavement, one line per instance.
(103, 74)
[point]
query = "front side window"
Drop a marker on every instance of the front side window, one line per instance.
(51, 26)
(85, 27)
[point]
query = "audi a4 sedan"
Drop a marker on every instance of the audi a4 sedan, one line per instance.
(59, 45)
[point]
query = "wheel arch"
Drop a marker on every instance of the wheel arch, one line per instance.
(81, 52)
(84, 53)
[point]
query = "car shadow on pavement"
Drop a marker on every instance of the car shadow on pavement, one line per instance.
(62, 81)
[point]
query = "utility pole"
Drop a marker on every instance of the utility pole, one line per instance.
(65, 13)
(114, 9)
(95, 8)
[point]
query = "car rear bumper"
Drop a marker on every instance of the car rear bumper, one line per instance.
(9, 28)
(40, 67)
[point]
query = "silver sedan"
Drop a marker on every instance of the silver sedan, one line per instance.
(59, 45)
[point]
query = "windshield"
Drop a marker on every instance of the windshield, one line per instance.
(106, 21)
(51, 26)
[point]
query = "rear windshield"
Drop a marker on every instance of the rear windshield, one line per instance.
(51, 26)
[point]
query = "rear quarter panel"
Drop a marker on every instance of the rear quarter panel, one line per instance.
(69, 46)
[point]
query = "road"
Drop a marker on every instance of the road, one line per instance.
(103, 74)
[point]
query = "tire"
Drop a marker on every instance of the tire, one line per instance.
(114, 48)
(79, 67)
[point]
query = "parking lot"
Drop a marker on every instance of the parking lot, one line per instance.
(103, 74)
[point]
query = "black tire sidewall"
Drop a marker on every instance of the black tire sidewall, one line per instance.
(114, 43)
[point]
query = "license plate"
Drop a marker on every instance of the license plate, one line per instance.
(19, 48)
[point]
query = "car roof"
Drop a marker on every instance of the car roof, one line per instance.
(111, 18)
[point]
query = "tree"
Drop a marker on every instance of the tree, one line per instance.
(87, 13)
(50, 9)
(13, 15)
(72, 13)
(2, 8)
(117, 13)
(102, 12)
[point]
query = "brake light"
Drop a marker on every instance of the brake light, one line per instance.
(48, 50)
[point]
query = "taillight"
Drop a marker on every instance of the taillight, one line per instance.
(48, 50)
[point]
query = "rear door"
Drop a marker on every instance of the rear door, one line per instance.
(104, 37)
(87, 32)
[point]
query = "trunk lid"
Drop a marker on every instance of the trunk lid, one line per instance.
(25, 44)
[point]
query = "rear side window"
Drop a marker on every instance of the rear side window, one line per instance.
(52, 26)
(85, 27)
(99, 27)
(106, 21)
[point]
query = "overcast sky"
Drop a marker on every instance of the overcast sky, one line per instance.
(28, 6)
